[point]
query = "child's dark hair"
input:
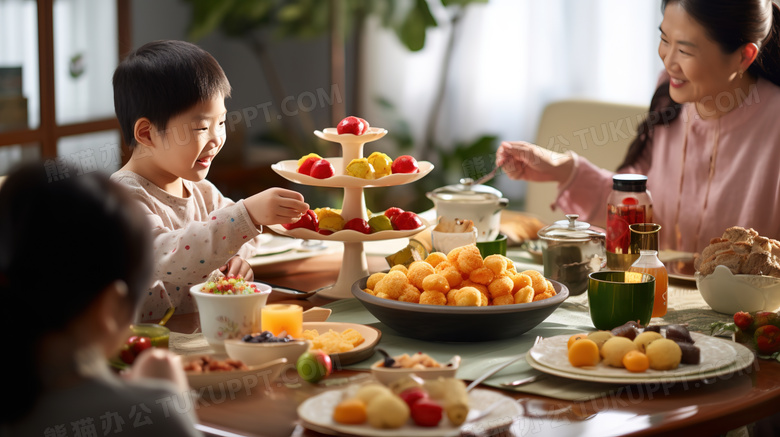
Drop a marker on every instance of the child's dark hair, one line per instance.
(62, 242)
(731, 24)
(162, 79)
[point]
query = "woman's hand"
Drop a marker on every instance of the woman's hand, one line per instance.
(238, 266)
(521, 160)
(275, 206)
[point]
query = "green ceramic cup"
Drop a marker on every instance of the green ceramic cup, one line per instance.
(493, 247)
(617, 297)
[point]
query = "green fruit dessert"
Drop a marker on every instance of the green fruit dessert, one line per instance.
(380, 223)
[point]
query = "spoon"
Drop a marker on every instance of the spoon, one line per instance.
(167, 315)
(487, 177)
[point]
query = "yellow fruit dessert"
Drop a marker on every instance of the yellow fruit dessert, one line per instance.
(329, 219)
(305, 157)
(360, 168)
(381, 163)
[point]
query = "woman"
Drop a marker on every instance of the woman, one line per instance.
(710, 145)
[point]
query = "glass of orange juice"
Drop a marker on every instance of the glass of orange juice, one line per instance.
(279, 318)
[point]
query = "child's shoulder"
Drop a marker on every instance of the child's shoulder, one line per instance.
(127, 177)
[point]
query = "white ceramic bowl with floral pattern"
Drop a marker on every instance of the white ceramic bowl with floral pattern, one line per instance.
(226, 316)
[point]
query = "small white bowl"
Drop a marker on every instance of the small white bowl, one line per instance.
(387, 375)
(727, 293)
(256, 354)
(226, 316)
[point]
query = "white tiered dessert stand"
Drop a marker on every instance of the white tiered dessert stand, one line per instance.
(354, 264)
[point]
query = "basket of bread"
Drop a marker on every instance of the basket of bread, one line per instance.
(740, 271)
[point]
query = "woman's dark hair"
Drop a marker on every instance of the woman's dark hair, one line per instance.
(731, 24)
(62, 242)
(163, 79)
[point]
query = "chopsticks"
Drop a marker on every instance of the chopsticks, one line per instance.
(500, 367)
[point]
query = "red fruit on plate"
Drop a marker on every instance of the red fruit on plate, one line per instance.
(743, 320)
(352, 125)
(407, 221)
(767, 339)
(426, 412)
(322, 169)
(139, 343)
(134, 346)
(305, 168)
(412, 395)
(392, 212)
(307, 221)
(325, 231)
(126, 354)
(358, 224)
(405, 164)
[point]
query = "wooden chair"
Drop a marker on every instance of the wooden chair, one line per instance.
(598, 131)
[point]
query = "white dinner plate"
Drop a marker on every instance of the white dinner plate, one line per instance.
(361, 352)
(317, 412)
(679, 265)
(289, 170)
(273, 244)
(718, 357)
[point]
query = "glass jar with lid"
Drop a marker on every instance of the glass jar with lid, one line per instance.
(627, 204)
(571, 252)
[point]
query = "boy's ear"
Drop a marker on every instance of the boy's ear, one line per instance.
(143, 131)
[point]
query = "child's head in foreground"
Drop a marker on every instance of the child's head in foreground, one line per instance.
(168, 94)
(75, 260)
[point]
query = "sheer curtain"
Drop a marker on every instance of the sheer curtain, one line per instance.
(511, 58)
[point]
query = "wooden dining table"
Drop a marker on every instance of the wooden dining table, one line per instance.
(692, 408)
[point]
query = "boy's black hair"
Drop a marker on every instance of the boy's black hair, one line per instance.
(162, 79)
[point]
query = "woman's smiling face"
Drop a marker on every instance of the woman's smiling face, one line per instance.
(698, 68)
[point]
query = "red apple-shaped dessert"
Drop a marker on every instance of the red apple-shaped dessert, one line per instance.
(307, 221)
(322, 169)
(407, 221)
(392, 212)
(352, 125)
(405, 164)
(305, 167)
(358, 224)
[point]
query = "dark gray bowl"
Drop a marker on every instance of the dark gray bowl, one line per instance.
(451, 323)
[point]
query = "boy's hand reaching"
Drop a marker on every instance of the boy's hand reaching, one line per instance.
(275, 206)
(238, 266)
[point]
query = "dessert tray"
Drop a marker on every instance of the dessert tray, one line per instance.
(354, 263)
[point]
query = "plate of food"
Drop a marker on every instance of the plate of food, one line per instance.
(220, 370)
(717, 357)
(346, 343)
(289, 170)
(316, 414)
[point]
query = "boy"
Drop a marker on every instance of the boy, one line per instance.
(169, 97)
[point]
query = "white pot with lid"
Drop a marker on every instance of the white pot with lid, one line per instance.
(481, 204)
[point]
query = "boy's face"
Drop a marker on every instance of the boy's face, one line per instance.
(191, 140)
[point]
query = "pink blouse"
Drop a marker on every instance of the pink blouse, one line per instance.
(703, 175)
